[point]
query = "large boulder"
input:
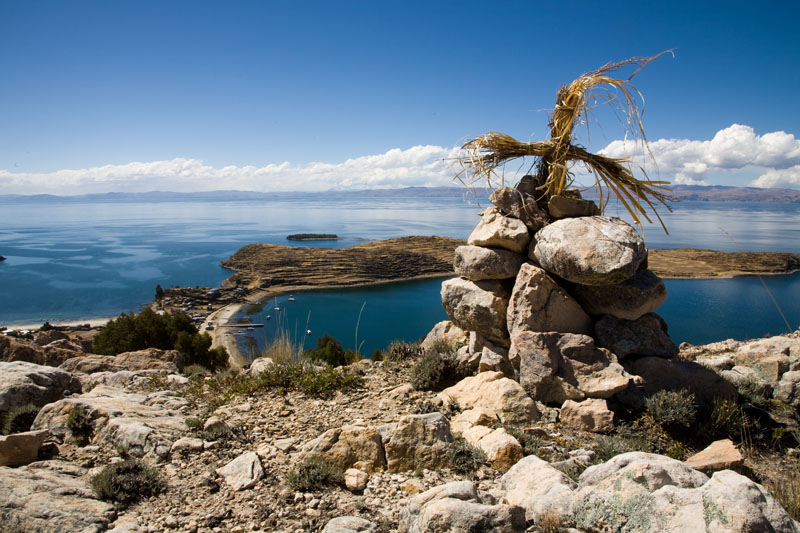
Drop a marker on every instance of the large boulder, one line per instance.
(521, 205)
(646, 335)
(13, 349)
(569, 207)
(787, 389)
(477, 263)
(23, 383)
(591, 414)
(641, 293)
(349, 446)
(502, 398)
(20, 449)
(498, 231)
(478, 306)
(502, 450)
(536, 486)
(144, 425)
(43, 338)
(555, 367)
(457, 507)
(150, 359)
(418, 441)
(590, 250)
(443, 332)
(51, 497)
(538, 303)
(663, 374)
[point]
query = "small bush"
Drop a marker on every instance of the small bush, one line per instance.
(753, 390)
(609, 446)
(193, 422)
(401, 350)
(726, 420)
(299, 377)
(434, 372)
(80, 425)
(464, 458)
(18, 419)
(196, 370)
(530, 444)
(672, 408)
(549, 521)
(313, 474)
(330, 351)
(127, 482)
(786, 489)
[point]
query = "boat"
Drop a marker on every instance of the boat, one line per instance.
(269, 317)
(276, 305)
(291, 298)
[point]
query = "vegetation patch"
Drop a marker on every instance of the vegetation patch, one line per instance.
(785, 487)
(330, 351)
(313, 474)
(435, 372)
(80, 425)
(127, 482)
(615, 514)
(18, 419)
(672, 408)
(464, 458)
(608, 446)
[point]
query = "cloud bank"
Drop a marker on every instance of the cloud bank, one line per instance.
(769, 160)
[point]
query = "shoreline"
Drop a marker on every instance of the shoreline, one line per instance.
(93, 322)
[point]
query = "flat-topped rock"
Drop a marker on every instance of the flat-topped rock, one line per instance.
(477, 262)
(23, 383)
(478, 306)
(496, 230)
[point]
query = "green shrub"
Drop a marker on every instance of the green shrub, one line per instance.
(753, 390)
(148, 329)
(672, 408)
(80, 425)
(399, 350)
(608, 446)
(314, 474)
(330, 351)
(300, 377)
(127, 482)
(18, 419)
(434, 372)
(464, 458)
(443, 346)
(725, 420)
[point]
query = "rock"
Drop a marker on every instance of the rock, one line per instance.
(215, 424)
(744, 375)
(456, 507)
(187, 445)
(132, 361)
(20, 449)
(644, 336)
(348, 446)
(537, 487)
(641, 293)
(498, 231)
(128, 359)
(659, 374)
(349, 524)
(557, 367)
(124, 379)
(355, 480)
(718, 455)
(568, 207)
(51, 497)
(443, 332)
(770, 357)
(589, 415)
(478, 306)
(73, 346)
(418, 441)
(244, 472)
(501, 449)
(142, 425)
(788, 389)
(477, 263)
(517, 204)
(23, 383)
(43, 338)
(538, 303)
(259, 365)
(13, 349)
(590, 250)
(477, 416)
(495, 359)
(498, 396)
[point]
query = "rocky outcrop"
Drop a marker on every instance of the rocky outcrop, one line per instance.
(349, 446)
(589, 415)
(12, 349)
(23, 383)
(418, 441)
(20, 449)
(536, 486)
(477, 306)
(444, 332)
(150, 359)
(502, 450)
(502, 398)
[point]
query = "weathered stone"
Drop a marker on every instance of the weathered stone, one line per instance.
(718, 455)
(443, 332)
(13, 349)
(537, 487)
(215, 424)
(349, 524)
(769, 363)
(244, 472)
(187, 445)
(659, 374)
(43, 338)
(538, 303)
(23, 383)
(788, 389)
(476, 263)
(259, 365)
(132, 361)
(478, 306)
(495, 359)
(568, 207)
(501, 449)
(348, 446)
(498, 231)
(641, 293)
(477, 416)
(589, 415)
(645, 336)
(418, 441)
(20, 449)
(129, 380)
(502, 398)
(557, 367)
(740, 375)
(355, 479)
(51, 497)
(517, 204)
(590, 250)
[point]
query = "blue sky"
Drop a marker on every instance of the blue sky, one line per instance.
(195, 95)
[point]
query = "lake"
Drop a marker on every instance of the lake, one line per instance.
(75, 260)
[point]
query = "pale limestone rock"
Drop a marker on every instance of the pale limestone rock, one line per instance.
(641, 293)
(215, 424)
(22, 383)
(495, 359)
(589, 415)
(719, 455)
(478, 306)
(418, 441)
(496, 394)
(187, 445)
(348, 446)
(538, 303)
(590, 250)
(259, 365)
(537, 487)
(568, 207)
(477, 416)
(477, 263)
(501, 449)
(521, 205)
(646, 335)
(20, 449)
(443, 331)
(349, 524)
(244, 472)
(355, 480)
(788, 389)
(498, 231)
(474, 434)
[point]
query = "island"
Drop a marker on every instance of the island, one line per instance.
(313, 237)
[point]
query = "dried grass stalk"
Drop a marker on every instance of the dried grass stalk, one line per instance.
(573, 104)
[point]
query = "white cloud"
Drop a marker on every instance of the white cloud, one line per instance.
(416, 166)
(771, 156)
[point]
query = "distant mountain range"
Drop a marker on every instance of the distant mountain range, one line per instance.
(714, 193)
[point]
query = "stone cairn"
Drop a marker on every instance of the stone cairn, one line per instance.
(555, 296)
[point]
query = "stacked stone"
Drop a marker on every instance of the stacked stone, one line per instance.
(554, 296)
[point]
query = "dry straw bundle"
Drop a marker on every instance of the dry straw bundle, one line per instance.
(573, 104)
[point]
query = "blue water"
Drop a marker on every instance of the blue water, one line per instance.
(78, 260)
